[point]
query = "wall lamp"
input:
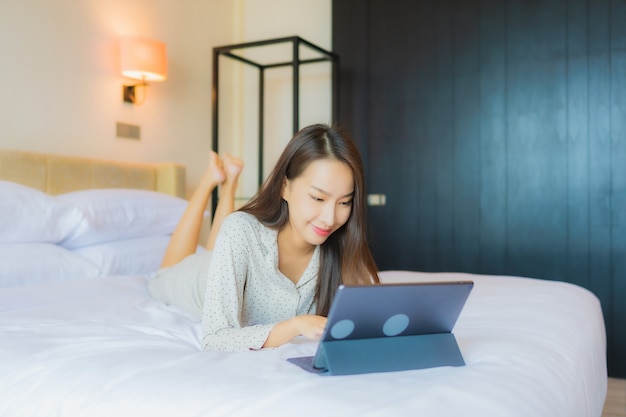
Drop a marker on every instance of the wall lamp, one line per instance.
(144, 60)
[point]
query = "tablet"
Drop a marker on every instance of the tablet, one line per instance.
(379, 313)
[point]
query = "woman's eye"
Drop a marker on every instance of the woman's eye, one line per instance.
(316, 198)
(346, 203)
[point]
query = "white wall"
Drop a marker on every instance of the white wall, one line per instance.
(271, 19)
(60, 87)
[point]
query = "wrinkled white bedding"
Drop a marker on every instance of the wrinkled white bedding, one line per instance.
(104, 347)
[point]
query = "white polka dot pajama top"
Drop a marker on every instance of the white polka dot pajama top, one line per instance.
(237, 289)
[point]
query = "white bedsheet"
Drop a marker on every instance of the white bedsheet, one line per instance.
(104, 347)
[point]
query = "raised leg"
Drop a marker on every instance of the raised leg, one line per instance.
(226, 204)
(184, 240)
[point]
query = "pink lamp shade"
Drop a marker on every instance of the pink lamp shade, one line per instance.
(143, 59)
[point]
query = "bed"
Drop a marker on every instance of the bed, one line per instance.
(82, 337)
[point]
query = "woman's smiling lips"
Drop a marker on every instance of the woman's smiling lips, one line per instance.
(321, 231)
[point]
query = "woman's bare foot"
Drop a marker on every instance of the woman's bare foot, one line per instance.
(214, 173)
(232, 168)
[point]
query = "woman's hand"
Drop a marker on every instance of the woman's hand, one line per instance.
(309, 326)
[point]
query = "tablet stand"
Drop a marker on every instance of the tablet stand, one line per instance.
(386, 354)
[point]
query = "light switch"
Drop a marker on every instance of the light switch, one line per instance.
(376, 199)
(126, 131)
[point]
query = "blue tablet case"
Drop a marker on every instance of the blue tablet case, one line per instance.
(390, 327)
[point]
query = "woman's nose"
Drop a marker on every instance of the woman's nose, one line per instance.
(328, 214)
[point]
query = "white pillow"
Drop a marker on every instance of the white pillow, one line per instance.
(38, 263)
(29, 215)
(126, 257)
(119, 214)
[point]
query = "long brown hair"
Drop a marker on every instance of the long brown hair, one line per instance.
(345, 257)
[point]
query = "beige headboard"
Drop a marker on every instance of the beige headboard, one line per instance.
(56, 174)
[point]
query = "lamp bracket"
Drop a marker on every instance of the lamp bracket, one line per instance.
(129, 93)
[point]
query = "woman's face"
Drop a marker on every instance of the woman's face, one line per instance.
(319, 200)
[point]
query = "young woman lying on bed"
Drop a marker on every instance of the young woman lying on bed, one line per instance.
(271, 272)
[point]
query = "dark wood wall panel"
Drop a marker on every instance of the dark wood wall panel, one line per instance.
(385, 93)
(536, 145)
(618, 181)
(577, 128)
(465, 106)
(599, 138)
(497, 131)
(352, 20)
(493, 132)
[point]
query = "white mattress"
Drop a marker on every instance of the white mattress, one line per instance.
(104, 347)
